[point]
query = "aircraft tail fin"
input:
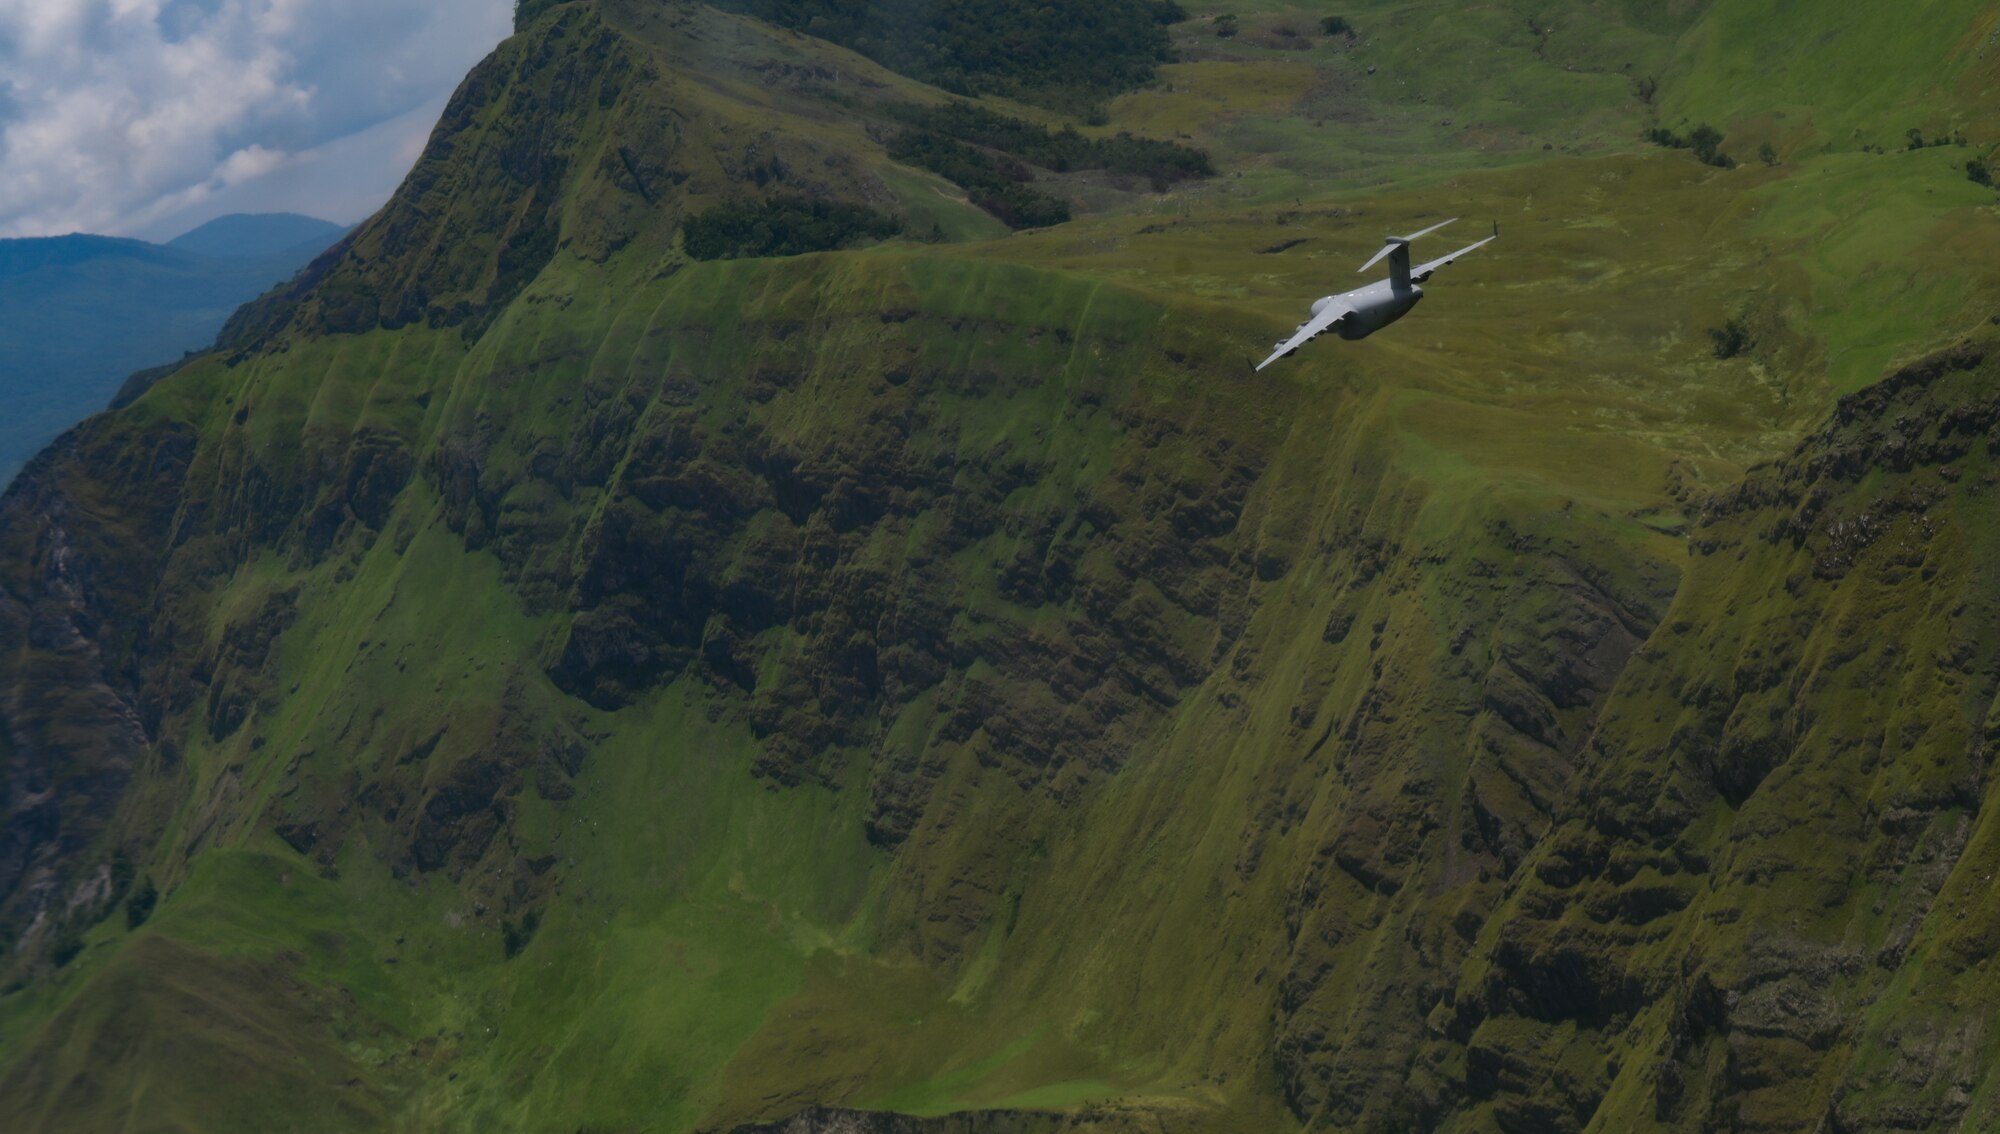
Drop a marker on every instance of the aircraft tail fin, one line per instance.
(1400, 242)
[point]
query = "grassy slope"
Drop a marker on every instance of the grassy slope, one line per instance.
(1813, 81)
(1175, 935)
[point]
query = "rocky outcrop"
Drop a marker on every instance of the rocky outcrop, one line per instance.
(83, 533)
(1768, 869)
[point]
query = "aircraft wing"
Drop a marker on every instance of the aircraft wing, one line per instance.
(1328, 318)
(1422, 272)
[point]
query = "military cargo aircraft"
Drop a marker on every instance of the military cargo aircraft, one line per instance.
(1365, 310)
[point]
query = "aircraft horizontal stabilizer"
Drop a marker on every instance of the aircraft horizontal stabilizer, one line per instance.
(1423, 272)
(1396, 242)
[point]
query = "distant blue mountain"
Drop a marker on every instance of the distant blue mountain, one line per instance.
(78, 314)
(260, 234)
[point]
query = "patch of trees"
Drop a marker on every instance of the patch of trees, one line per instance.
(1337, 25)
(1917, 141)
(992, 46)
(1730, 339)
(514, 937)
(998, 185)
(782, 226)
(139, 906)
(1979, 171)
(993, 158)
(1061, 151)
(1704, 140)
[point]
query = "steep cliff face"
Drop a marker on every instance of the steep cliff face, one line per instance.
(529, 679)
(1038, 547)
(1038, 543)
(86, 530)
(1776, 879)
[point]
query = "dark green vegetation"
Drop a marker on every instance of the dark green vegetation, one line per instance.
(1060, 151)
(977, 149)
(80, 313)
(1706, 142)
(782, 226)
(1056, 50)
(1730, 339)
(999, 186)
(528, 678)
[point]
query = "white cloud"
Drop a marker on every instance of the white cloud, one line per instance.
(118, 115)
(249, 162)
(344, 180)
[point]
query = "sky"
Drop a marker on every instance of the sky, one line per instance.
(148, 117)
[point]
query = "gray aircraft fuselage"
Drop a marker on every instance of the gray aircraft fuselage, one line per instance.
(1375, 307)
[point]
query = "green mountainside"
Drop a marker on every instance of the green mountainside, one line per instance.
(527, 676)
